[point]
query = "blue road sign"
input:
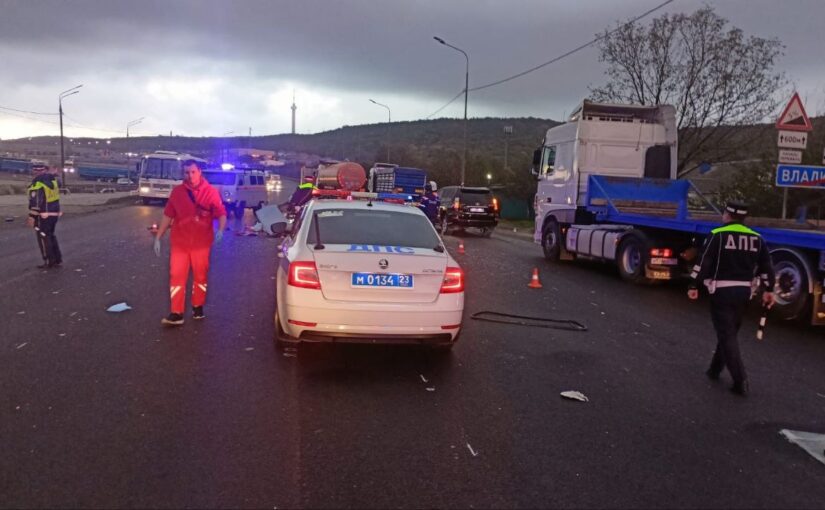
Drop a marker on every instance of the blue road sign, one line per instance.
(800, 176)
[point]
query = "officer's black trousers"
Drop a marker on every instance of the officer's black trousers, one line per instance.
(47, 241)
(727, 307)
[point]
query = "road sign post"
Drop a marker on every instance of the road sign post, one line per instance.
(794, 126)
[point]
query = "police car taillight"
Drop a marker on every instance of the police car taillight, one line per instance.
(453, 281)
(304, 275)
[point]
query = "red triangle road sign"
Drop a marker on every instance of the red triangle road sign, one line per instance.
(793, 117)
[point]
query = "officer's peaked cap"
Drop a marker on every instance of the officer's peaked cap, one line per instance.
(737, 208)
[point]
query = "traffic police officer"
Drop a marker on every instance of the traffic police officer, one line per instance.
(429, 202)
(303, 194)
(44, 210)
(733, 254)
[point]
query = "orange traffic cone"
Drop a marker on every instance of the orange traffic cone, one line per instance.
(534, 282)
(461, 247)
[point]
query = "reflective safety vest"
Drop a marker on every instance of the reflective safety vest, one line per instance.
(306, 185)
(735, 227)
(52, 194)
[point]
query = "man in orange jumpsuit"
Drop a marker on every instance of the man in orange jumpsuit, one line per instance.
(190, 211)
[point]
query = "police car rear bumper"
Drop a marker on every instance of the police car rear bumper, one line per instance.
(430, 323)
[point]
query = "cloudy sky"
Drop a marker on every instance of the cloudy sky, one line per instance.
(205, 68)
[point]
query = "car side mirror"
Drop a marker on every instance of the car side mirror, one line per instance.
(278, 228)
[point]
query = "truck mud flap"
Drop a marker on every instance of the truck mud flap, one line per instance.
(533, 322)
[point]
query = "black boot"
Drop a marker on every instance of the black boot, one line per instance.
(741, 388)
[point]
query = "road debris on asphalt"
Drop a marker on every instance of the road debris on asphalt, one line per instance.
(290, 355)
(249, 349)
(535, 322)
(72, 314)
(9, 219)
(21, 312)
(574, 395)
(423, 379)
(811, 442)
(431, 388)
(22, 345)
(820, 395)
(120, 307)
(472, 452)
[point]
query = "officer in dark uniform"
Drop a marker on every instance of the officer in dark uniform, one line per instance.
(303, 194)
(44, 210)
(429, 202)
(732, 256)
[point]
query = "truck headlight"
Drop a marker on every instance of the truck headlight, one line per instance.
(144, 189)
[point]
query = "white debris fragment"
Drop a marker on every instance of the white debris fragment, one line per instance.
(55, 292)
(120, 307)
(22, 345)
(472, 452)
(249, 349)
(574, 395)
(820, 395)
(594, 304)
(645, 324)
(78, 270)
(21, 313)
(811, 442)
(61, 334)
(107, 292)
(431, 388)
(72, 314)
(423, 379)
(290, 355)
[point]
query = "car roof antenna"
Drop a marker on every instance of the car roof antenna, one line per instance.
(318, 245)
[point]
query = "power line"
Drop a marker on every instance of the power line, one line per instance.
(579, 48)
(556, 59)
(26, 111)
(31, 119)
(446, 105)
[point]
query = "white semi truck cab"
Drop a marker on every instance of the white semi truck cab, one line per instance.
(607, 191)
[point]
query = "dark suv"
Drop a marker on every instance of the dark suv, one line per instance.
(463, 207)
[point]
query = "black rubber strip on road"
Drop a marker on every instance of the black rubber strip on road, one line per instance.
(533, 322)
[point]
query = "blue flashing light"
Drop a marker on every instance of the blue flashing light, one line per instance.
(227, 166)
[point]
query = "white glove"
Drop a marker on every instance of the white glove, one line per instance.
(157, 246)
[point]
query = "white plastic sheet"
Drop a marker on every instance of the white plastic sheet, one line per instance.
(120, 307)
(574, 395)
(811, 442)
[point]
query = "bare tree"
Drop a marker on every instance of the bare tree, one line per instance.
(715, 76)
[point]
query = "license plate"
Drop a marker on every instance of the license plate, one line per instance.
(404, 281)
(477, 209)
(658, 261)
(658, 275)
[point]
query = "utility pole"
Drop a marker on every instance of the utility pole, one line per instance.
(293, 111)
(466, 91)
(508, 130)
(66, 93)
(389, 123)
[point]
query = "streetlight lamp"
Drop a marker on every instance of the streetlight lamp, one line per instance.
(133, 123)
(66, 93)
(466, 90)
(223, 145)
(389, 122)
(129, 149)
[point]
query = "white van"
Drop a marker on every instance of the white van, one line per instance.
(239, 189)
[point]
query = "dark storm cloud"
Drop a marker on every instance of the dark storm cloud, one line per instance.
(355, 48)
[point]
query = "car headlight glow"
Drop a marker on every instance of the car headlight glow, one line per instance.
(144, 189)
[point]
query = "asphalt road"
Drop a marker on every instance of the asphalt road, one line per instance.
(111, 410)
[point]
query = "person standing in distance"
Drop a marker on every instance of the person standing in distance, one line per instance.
(44, 211)
(733, 254)
(429, 202)
(191, 208)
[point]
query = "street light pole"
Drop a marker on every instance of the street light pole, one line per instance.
(466, 91)
(128, 149)
(389, 123)
(66, 93)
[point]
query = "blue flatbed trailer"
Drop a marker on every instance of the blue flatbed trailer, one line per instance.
(663, 214)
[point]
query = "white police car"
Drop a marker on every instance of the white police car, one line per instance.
(362, 271)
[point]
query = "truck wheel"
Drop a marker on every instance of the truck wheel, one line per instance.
(551, 241)
(791, 286)
(631, 260)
